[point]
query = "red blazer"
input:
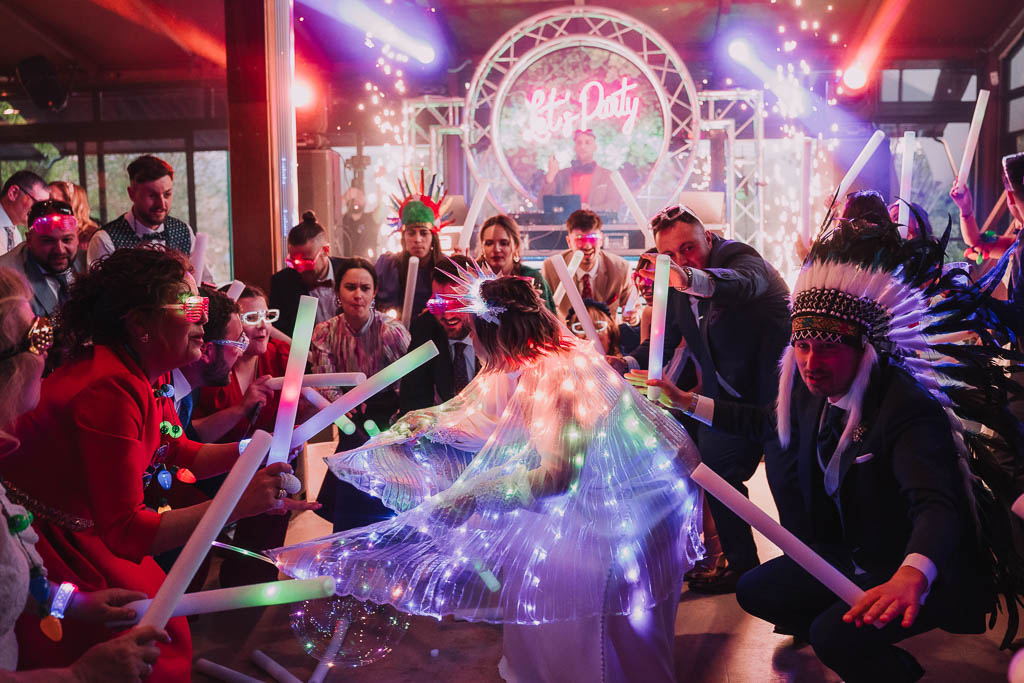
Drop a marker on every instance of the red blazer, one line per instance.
(83, 452)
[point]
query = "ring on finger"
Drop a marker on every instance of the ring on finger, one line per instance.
(281, 493)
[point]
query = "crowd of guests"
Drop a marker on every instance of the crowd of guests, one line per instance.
(154, 378)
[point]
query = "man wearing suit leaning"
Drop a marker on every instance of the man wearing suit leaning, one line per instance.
(601, 276)
(732, 309)
(881, 463)
(47, 256)
(440, 378)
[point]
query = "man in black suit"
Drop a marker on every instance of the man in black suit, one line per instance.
(879, 475)
(310, 271)
(732, 309)
(447, 373)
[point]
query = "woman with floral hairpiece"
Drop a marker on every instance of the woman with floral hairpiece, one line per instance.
(545, 496)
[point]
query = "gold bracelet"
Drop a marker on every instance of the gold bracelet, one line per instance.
(692, 408)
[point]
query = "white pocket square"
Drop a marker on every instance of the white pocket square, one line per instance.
(860, 460)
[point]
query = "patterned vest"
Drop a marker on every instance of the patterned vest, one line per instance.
(177, 234)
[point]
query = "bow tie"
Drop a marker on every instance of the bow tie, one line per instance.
(324, 283)
(577, 167)
(149, 236)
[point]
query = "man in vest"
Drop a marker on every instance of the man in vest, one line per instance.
(151, 188)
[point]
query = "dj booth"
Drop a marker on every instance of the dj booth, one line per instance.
(543, 234)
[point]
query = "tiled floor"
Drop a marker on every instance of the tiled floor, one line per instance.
(715, 640)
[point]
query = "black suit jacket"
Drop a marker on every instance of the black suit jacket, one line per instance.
(433, 380)
(900, 491)
(744, 325)
(285, 289)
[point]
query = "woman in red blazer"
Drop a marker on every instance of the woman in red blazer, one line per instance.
(105, 429)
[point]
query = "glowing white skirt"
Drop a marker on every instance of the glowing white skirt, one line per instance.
(540, 496)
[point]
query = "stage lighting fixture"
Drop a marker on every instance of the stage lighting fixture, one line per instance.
(739, 50)
(302, 93)
(855, 77)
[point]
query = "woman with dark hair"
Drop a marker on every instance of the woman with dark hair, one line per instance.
(499, 249)
(359, 339)
(605, 325)
(544, 496)
(105, 434)
(420, 229)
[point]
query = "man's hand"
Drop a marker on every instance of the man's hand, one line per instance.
(900, 595)
(962, 198)
(257, 394)
(676, 275)
(103, 606)
(552, 169)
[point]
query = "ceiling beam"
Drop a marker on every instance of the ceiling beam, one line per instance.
(58, 44)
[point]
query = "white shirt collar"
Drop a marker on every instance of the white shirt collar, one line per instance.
(593, 271)
(4, 218)
(138, 227)
(845, 402)
(467, 340)
(182, 387)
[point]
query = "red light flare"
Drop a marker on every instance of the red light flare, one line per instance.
(855, 75)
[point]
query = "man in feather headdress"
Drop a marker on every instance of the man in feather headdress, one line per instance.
(894, 467)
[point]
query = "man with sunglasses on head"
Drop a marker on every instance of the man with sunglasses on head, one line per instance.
(732, 309)
(440, 378)
(584, 177)
(19, 193)
(601, 276)
(47, 256)
(309, 270)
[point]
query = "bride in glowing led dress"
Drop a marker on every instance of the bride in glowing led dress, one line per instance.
(545, 496)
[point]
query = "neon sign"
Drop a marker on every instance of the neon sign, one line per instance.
(548, 115)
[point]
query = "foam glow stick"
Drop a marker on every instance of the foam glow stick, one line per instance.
(325, 379)
(906, 177)
(574, 264)
(630, 201)
(656, 357)
(577, 302)
(1018, 506)
(858, 164)
(198, 544)
(346, 425)
(333, 648)
(949, 156)
(376, 383)
(273, 669)
(798, 551)
(994, 213)
(371, 428)
(236, 289)
(198, 257)
(288, 405)
(410, 290)
(222, 673)
(805, 192)
(255, 595)
(972, 139)
(466, 236)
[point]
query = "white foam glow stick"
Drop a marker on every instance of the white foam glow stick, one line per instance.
(466, 236)
(255, 595)
(577, 302)
(858, 164)
(346, 425)
(805, 191)
(972, 138)
(236, 289)
(410, 290)
(288, 405)
(798, 551)
(333, 648)
(376, 383)
(273, 669)
(222, 673)
(630, 201)
(906, 178)
(324, 379)
(198, 257)
(656, 357)
(574, 264)
(198, 544)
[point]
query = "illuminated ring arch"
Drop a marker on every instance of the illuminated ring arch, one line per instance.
(553, 30)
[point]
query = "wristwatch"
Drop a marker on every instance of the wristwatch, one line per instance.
(689, 277)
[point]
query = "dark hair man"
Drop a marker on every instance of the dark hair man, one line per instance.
(19, 193)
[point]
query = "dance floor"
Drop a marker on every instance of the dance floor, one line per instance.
(715, 640)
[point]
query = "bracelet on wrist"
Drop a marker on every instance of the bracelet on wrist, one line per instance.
(50, 624)
(691, 408)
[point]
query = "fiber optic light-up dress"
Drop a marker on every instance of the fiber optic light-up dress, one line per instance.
(570, 509)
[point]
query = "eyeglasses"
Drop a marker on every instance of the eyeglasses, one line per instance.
(195, 307)
(302, 265)
(599, 325)
(270, 315)
(579, 131)
(439, 306)
(38, 339)
(673, 214)
(589, 239)
(54, 222)
(242, 344)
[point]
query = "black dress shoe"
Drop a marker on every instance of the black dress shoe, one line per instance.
(722, 582)
(705, 568)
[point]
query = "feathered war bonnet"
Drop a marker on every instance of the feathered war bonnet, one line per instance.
(421, 205)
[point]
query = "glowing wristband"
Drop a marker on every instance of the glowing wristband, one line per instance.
(61, 599)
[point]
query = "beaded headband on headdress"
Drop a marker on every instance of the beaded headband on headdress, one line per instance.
(836, 316)
(422, 206)
(467, 292)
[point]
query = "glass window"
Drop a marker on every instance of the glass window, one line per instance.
(116, 166)
(891, 85)
(1017, 68)
(919, 84)
(213, 210)
(1015, 118)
